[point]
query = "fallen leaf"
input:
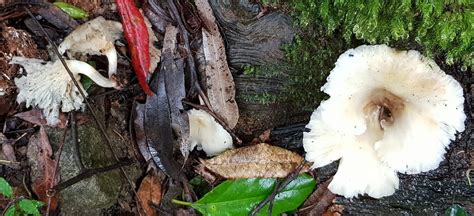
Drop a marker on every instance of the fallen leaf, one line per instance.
(333, 210)
(158, 117)
(35, 116)
(173, 66)
(150, 193)
(219, 83)
(319, 201)
(155, 53)
(262, 160)
(45, 166)
(7, 149)
(238, 197)
(140, 138)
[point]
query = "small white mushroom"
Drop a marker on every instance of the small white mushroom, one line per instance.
(48, 86)
(206, 133)
(95, 37)
(389, 111)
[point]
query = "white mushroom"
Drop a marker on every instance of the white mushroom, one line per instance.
(206, 133)
(95, 37)
(388, 111)
(48, 86)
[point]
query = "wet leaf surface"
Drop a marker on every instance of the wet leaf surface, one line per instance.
(238, 197)
(262, 160)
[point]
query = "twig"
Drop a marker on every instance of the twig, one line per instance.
(75, 141)
(87, 174)
(279, 187)
(88, 105)
(7, 162)
(218, 119)
(56, 166)
(26, 130)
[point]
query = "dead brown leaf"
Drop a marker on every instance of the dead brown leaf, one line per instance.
(255, 161)
(150, 193)
(219, 84)
(319, 201)
(7, 149)
(35, 116)
(45, 166)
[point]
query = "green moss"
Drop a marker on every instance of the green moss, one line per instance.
(439, 28)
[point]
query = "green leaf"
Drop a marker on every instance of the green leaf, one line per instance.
(11, 211)
(86, 82)
(30, 206)
(456, 210)
(238, 197)
(5, 189)
(71, 10)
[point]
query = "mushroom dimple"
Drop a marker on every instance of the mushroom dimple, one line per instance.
(387, 105)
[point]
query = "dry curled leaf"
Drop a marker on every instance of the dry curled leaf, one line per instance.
(256, 161)
(150, 193)
(220, 86)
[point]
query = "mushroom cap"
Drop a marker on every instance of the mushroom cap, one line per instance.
(49, 86)
(207, 133)
(401, 99)
(95, 37)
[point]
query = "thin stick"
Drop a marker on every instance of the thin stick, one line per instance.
(7, 162)
(89, 173)
(292, 176)
(94, 115)
(56, 166)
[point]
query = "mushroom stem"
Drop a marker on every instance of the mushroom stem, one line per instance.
(80, 67)
(111, 54)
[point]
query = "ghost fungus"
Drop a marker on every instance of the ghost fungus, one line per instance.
(49, 86)
(389, 111)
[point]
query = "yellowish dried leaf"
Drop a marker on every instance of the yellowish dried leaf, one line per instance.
(256, 161)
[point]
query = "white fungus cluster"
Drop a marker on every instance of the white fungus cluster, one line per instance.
(389, 111)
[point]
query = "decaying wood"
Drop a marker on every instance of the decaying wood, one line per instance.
(251, 40)
(220, 87)
(255, 161)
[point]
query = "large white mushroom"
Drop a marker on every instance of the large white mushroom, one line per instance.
(48, 86)
(389, 111)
